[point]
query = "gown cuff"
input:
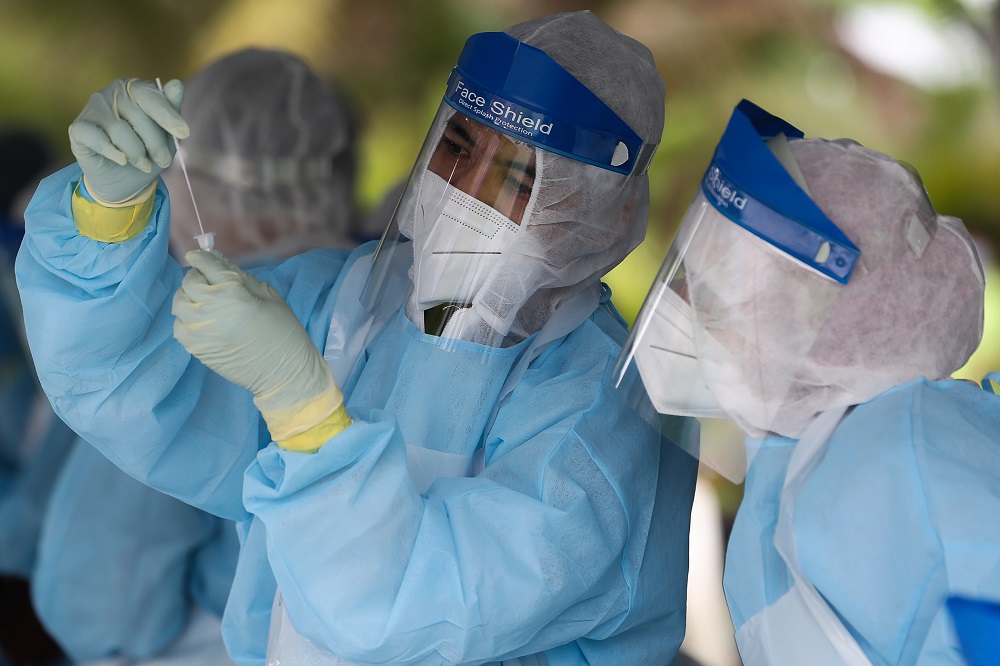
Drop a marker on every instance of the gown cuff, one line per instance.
(279, 473)
(313, 439)
(112, 222)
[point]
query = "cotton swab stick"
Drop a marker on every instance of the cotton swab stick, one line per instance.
(206, 241)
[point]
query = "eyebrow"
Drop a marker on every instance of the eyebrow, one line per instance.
(462, 132)
(511, 164)
(516, 165)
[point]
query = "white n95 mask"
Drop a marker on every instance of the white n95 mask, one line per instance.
(458, 242)
(667, 360)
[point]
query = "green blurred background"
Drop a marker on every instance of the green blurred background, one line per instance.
(912, 78)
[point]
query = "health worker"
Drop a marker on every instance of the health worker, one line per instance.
(815, 297)
(270, 160)
(419, 439)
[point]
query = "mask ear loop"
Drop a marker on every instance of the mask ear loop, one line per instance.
(416, 314)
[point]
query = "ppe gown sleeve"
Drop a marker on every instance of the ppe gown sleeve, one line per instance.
(540, 549)
(98, 321)
(924, 455)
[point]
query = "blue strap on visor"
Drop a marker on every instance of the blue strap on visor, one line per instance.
(747, 184)
(520, 91)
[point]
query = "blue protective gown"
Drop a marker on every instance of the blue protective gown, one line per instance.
(900, 513)
(572, 540)
(140, 561)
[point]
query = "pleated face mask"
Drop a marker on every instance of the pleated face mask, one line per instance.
(668, 357)
(458, 239)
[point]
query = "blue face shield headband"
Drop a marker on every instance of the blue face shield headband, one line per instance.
(520, 91)
(746, 183)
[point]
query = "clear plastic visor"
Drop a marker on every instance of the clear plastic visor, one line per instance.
(459, 214)
(706, 342)
(658, 366)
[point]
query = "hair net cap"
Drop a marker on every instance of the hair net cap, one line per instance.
(613, 66)
(271, 156)
(583, 220)
(910, 312)
(266, 103)
(912, 308)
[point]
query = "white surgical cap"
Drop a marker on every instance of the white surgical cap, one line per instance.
(271, 158)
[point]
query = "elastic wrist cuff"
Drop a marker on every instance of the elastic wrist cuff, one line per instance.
(285, 421)
(312, 440)
(113, 223)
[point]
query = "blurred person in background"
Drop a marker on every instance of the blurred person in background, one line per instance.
(815, 297)
(478, 491)
(33, 441)
(126, 573)
(272, 160)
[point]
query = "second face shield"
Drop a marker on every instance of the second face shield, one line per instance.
(707, 341)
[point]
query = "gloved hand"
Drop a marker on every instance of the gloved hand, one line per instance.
(121, 138)
(243, 329)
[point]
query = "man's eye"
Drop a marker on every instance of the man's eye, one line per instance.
(454, 148)
(521, 187)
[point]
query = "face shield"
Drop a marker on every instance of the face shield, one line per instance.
(527, 189)
(702, 345)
